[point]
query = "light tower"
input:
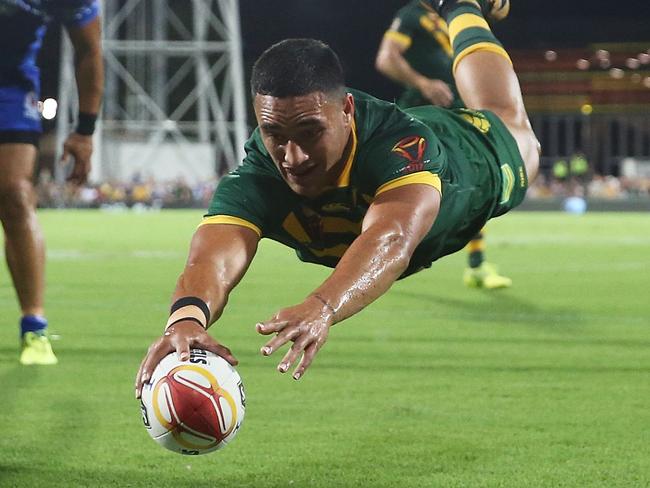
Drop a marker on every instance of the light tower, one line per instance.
(174, 103)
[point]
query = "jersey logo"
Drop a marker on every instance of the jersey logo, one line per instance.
(411, 148)
(507, 183)
(313, 223)
(324, 237)
(477, 119)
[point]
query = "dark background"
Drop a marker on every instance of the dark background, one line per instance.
(354, 29)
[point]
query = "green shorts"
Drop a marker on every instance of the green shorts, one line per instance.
(514, 180)
(484, 177)
(484, 154)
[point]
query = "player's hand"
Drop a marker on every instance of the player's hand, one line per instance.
(436, 91)
(180, 337)
(80, 149)
(306, 325)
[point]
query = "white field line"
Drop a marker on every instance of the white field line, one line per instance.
(620, 266)
(504, 317)
(592, 240)
(79, 255)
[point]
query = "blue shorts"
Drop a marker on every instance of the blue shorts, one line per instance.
(19, 114)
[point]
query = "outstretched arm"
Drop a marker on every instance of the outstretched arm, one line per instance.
(89, 73)
(395, 224)
(391, 62)
(219, 257)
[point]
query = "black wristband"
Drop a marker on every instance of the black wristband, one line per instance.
(86, 124)
(185, 301)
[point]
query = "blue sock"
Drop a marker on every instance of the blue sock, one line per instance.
(33, 323)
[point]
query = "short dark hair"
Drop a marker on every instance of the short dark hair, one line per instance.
(296, 67)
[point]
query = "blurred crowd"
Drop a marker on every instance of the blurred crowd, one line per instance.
(139, 193)
(595, 187)
(573, 178)
(562, 180)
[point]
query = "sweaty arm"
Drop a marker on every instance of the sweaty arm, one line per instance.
(219, 257)
(390, 61)
(394, 225)
(89, 73)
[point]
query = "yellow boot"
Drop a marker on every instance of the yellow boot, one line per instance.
(36, 349)
(485, 276)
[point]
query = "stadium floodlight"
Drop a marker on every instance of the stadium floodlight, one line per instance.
(49, 108)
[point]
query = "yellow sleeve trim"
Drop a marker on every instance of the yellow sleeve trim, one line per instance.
(229, 220)
(481, 46)
(422, 177)
(401, 39)
(466, 21)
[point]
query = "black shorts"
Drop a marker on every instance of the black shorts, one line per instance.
(19, 136)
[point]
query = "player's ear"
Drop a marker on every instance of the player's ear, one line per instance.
(348, 109)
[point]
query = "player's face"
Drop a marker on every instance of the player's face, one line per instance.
(308, 138)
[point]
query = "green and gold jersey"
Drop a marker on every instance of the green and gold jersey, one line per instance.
(425, 37)
(449, 150)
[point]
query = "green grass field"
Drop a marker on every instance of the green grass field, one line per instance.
(434, 385)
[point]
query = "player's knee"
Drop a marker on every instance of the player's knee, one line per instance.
(530, 152)
(519, 126)
(17, 201)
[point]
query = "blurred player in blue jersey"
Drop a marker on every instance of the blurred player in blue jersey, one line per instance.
(22, 27)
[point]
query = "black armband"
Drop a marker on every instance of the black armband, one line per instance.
(189, 308)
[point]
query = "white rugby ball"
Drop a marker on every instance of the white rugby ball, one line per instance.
(195, 406)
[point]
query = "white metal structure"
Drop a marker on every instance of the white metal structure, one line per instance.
(174, 103)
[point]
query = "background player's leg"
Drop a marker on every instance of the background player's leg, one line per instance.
(24, 247)
(481, 274)
(476, 250)
(485, 77)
